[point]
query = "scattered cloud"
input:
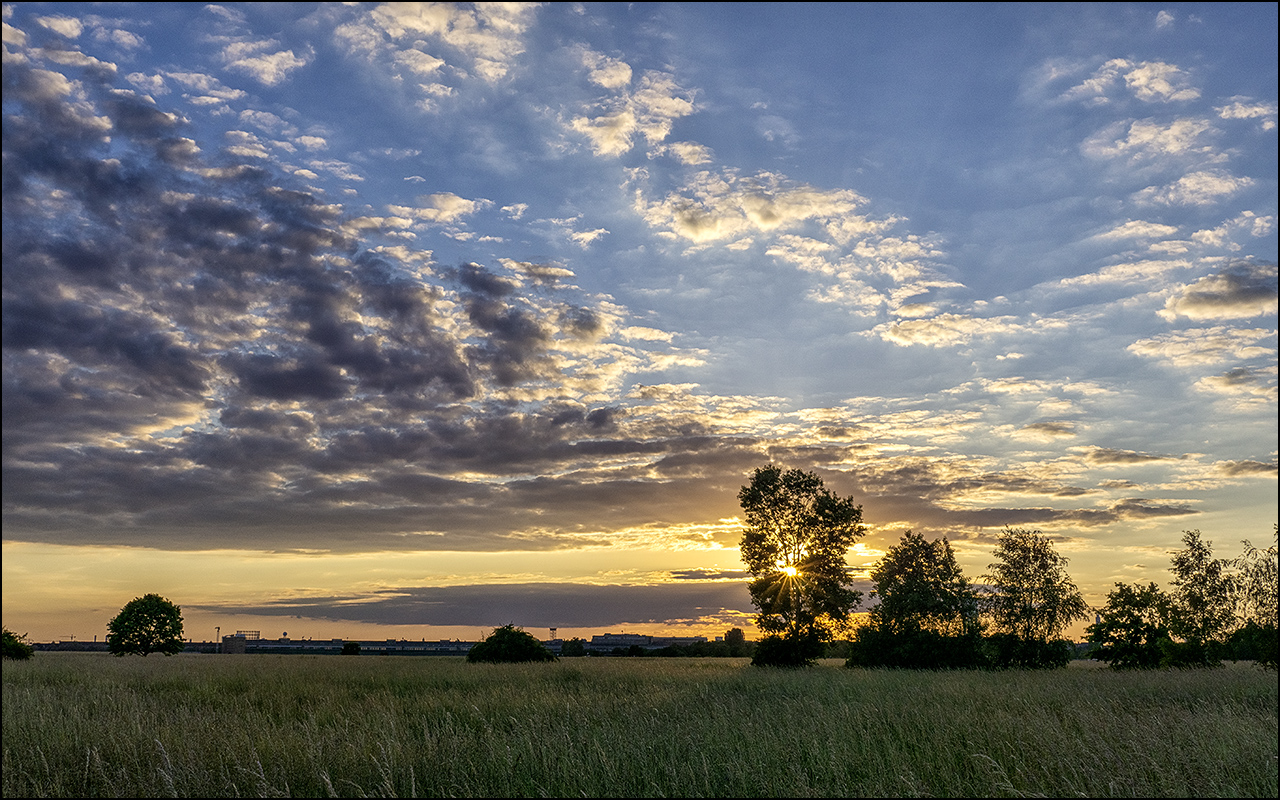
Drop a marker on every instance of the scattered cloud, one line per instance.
(1243, 289)
(1202, 188)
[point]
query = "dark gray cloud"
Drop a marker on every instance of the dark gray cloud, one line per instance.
(1242, 289)
(532, 605)
(1106, 455)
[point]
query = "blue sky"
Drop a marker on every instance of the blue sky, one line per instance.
(341, 317)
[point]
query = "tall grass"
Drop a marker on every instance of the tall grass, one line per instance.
(272, 726)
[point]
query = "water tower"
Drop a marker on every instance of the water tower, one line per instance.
(553, 634)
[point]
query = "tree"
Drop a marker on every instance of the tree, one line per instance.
(148, 624)
(510, 644)
(794, 544)
(1256, 605)
(16, 648)
(1202, 602)
(573, 648)
(1132, 631)
(928, 615)
(350, 649)
(736, 641)
(1031, 601)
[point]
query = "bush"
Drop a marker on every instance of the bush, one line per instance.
(915, 649)
(792, 650)
(350, 648)
(509, 644)
(1253, 642)
(16, 647)
(1006, 651)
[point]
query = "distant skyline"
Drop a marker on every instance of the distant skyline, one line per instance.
(416, 319)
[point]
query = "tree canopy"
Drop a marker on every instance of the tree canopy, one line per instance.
(509, 644)
(794, 544)
(147, 624)
(928, 614)
(1030, 602)
(1131, 628)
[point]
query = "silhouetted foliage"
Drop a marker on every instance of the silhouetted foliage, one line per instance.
(916, 649)
(736, 641)
(1131, 628)
(509, 644)
(1005, 650)
(350, 648)
(573, 648)
(1031, 601)
(794, 544)
(789, 650)
(16, 647)
(928, 615)
(1202, 602)
(1257, 602)
(147, 624)
(1253, 642)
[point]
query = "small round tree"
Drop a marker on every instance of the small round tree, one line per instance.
(509, 644)
(148, 624)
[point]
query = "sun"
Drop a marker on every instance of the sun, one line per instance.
(790, 571)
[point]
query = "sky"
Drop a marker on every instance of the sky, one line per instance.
(414, 320)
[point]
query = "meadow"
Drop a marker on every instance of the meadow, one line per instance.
(89, 725)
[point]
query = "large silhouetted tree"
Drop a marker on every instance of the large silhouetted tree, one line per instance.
(1203, 610)
(928, 614)
(1132, 630)
(147, 624)
(794, 544)
(1031, 602)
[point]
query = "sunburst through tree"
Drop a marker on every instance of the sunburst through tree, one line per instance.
(794, 544)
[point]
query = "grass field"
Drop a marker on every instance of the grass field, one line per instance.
(272, 726)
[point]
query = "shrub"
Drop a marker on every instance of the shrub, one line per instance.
(915, 649)
(1007, 651)
(350, 648)
(510, 644)
(16, 647)
(791, 650)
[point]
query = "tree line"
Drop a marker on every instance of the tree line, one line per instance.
(930, 616)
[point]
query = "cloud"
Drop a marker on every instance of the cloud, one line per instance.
(69, 27)
(1149, 81)
(650, 110)
(1164, 19)
(531, 605)
(1202, 188)
(724, 206)
(1135, 229)
(610, 73)
(1246, 108)
(488, 36)
(442, 208)
(1243, 289)
(1158, 82)
(1110, 456)
(944, 330)
(1207, 346)
(1146, 139)
(690, 153)
(252, 58)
